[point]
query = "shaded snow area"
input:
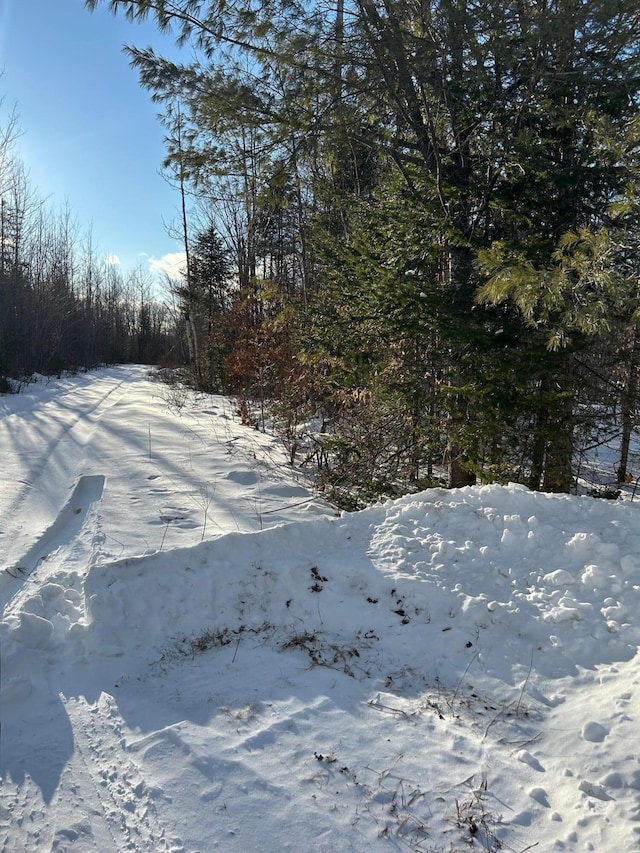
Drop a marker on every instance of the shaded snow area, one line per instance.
(199, 655)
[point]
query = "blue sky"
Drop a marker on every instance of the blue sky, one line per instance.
(91, 135)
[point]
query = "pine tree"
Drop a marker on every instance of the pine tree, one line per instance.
(489, 142)
(205, 299)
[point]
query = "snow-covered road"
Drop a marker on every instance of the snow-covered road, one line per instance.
(198, 655)
(169, 471)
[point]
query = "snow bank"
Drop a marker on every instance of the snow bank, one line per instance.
(520, 571)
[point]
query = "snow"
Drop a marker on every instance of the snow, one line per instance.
(199, 654)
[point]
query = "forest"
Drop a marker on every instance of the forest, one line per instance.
(62, 305)
(410, 228)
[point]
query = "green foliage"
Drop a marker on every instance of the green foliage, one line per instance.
(581, 291)
(443, 197)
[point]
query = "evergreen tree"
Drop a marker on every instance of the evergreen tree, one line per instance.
(204, 300)
(489, 141)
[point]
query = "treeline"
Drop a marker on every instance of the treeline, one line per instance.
(62, 307)
(420, 241)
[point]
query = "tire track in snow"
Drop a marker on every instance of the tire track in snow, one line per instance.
(66, 446)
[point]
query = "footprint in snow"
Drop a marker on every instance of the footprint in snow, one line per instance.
(243, 478)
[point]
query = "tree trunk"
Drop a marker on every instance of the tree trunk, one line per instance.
(558, 469)
(628, 404)
(459, 473)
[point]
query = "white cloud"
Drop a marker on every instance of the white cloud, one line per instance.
(171, 264)
(112, 260)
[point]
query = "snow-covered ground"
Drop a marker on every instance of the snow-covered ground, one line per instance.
(199, 655)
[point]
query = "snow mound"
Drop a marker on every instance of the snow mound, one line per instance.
(504, 565)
